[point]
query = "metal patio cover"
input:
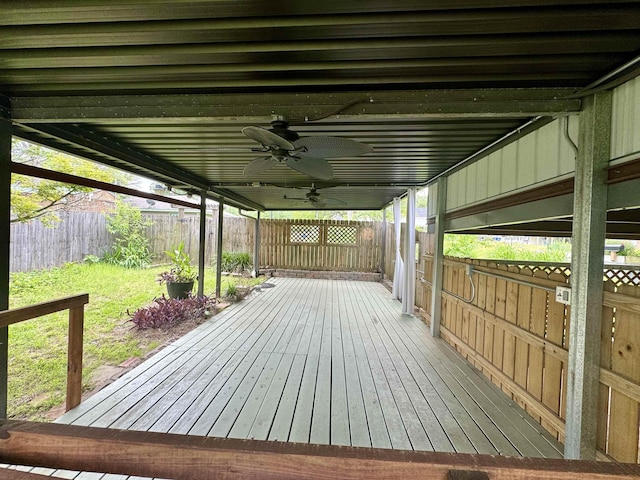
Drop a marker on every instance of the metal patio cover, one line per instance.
(162, 88)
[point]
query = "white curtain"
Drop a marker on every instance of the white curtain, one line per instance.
(409, 295)
(398, 273)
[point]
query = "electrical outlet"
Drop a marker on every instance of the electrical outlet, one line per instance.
(468, 269)
(563, 295)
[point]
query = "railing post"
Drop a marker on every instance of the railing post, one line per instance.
(74, 357)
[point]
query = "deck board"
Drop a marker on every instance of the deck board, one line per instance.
(320, 361)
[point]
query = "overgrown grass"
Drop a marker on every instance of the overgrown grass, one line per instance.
(471, 246)
(38, 348)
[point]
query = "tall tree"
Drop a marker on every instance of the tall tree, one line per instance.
(33, 197)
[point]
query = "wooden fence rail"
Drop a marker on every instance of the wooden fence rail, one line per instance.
(75, 305)
(508, 324)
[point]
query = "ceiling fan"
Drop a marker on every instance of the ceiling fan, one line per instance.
(306, 155)
(313, 197)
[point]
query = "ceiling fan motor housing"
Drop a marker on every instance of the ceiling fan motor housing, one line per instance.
(281, 128)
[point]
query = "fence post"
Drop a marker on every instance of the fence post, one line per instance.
(74, 357)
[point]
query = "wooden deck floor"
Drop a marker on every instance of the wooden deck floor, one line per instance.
(320, 361)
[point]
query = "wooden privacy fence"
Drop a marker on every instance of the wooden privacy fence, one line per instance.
(321, 245)
(508, 324)
(75, 305)
(78, 234)
(168, 230)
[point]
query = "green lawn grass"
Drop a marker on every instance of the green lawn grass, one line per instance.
(38, 348)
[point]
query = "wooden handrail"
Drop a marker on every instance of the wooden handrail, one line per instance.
(75, 305)
(150, 454)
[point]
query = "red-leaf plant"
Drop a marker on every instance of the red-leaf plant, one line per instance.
(167, 312)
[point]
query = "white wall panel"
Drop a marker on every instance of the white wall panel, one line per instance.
(625, 127)
(510, 165)
(432, 195)
(527, 152)
(537, 158)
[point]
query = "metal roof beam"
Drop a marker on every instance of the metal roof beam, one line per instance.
(297, 107)
(84, 143)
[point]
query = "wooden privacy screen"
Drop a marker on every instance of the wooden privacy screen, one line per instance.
(321, 245)
(518, 335)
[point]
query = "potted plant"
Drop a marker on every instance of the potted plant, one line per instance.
(181, 277)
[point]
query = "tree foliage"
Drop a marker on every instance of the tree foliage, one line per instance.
(33, 197)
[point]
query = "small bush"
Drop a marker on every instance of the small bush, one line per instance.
(235, 261)
(167, 312)
(131, 247)
(231, 290)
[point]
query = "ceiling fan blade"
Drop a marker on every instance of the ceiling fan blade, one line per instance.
(267, 138)
(333, 201)
(330, 147)
(221, 149)
(259, 165)
(313, 167)
(297, 199)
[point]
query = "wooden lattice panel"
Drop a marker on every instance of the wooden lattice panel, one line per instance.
(300, 233)
(342, 234)
(622, 276)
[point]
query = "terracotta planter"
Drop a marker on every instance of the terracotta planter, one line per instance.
(179, 289)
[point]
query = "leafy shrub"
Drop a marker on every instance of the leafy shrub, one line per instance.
(231, 290)
(235, 261)
(167, 312)
(182, 270)
(131, 247)
(91, 259)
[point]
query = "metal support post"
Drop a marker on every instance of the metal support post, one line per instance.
(219, 248)
(587, 247)
(256, 247)
(438, 256)
(5, 235)
(383, 248)
(202, 242)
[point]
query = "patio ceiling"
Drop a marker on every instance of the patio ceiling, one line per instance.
(163, 88)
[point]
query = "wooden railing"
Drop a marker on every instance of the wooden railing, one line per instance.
(514, 331)
(149, 454)
(75, 305)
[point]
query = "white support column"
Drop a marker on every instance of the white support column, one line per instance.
(202, 241)
(409, 295)
(438, 257)
(587, 252)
